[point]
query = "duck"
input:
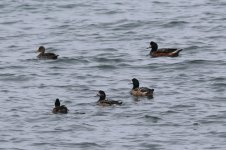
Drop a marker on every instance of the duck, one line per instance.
(59, 108)
(105, 102)
(140, 91)
(163, 52)
(43, 55)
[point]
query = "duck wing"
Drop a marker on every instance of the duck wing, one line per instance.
(146, 90)
(51, 55)
(112, 102)
(55, 110)
(63, 109)
(167, 50)
(109, 102)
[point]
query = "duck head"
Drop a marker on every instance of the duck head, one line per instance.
(41, 49)
(101, 94)
(153, 46)
(135, 83)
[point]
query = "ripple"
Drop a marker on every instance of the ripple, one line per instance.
(175, 24)
(152, 118)
(101, 46)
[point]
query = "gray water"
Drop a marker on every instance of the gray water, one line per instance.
(102, 46)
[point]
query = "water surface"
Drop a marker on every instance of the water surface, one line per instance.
(102, 46)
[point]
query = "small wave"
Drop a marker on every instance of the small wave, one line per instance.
(193, 47)
(158, 2)
(151, 146)
(108, 60)
(170, 112)
(69, 6)
(128, 26)
(202, 61)
(15, 77)
(83, 145)
(11, 22)
(152, 118)
(181, 106)
(174, 24)
(110, 67)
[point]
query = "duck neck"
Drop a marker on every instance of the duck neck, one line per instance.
(154, 47)
(135, 85)
(102, 97)
(57, 103)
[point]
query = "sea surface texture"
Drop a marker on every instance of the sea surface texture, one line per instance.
(101, 46)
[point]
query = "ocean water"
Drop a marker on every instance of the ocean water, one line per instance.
(102, 46)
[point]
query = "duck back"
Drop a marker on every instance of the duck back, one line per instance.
(166, 53)
(48, 56)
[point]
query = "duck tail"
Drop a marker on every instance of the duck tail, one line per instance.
(118, 102)
(150, 91)
(176, 53)
(55, 57)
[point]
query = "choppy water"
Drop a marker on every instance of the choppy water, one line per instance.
(102, 46)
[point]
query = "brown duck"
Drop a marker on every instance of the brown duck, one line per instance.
(59, 108)
(163, 52)
(105, 102)
(140, 91)
(43, 55)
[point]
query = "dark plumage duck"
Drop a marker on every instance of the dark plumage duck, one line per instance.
(59, 108)
(44, 55)
(140, 91)
(105, 102)
(167, 52)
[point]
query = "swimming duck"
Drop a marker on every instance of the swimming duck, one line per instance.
(44, 55)
(59, 108)
(168, 52)
(140, 91)
(105, 102)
